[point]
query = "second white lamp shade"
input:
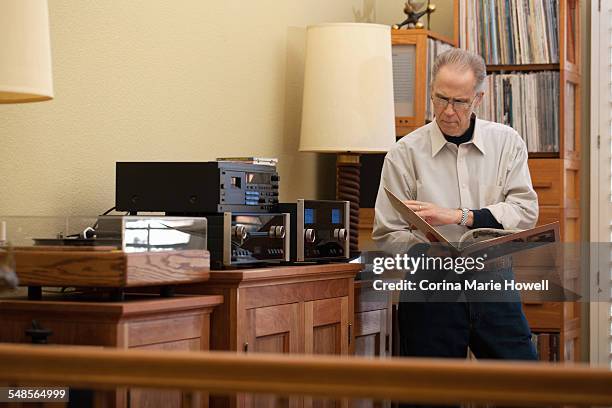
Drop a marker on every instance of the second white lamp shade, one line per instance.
(348, 89)
(25, 52)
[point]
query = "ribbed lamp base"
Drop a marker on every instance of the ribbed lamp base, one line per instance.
(347, 188)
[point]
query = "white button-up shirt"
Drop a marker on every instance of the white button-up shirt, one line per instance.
(490, 171)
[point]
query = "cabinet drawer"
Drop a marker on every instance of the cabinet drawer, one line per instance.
(164, 330)
(543, 315)
(556, 181)
(547, 180)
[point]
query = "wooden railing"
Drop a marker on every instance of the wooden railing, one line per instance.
(414, 380)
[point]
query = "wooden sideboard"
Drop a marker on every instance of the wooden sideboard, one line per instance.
(289, 309)
(311, 309)
(142, 322)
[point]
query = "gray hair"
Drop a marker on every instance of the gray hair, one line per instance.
(464, 60)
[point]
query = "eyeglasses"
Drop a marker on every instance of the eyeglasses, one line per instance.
(441, 102)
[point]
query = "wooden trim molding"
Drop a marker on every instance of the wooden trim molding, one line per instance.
(413, 380)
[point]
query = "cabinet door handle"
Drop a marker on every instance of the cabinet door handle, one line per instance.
(245, 347)
(350, 329)
(542, 184)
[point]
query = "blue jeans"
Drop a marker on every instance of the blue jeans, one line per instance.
(492, 330)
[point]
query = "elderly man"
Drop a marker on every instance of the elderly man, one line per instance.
(458, 172)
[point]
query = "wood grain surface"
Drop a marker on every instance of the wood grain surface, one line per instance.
(77, 267)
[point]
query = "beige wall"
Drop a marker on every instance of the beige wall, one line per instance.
(159, 80)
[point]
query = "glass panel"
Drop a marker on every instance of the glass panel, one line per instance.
(163, 233)
(404, 60)
(131, 234)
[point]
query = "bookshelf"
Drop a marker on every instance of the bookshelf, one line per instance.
(555, 174)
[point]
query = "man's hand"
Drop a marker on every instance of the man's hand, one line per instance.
(433, 214)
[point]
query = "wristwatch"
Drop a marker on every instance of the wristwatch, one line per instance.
(464, 216)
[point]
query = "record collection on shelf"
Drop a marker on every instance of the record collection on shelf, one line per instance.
(519, 41)
(527, 102)
(508, 32)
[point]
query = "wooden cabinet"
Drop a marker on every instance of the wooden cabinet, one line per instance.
(373, 321)
(274, 329)
(327, 326)
(141, 322)
(557, 183)
(373, 330)
(286, 309)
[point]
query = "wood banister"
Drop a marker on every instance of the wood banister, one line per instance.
(413, 380)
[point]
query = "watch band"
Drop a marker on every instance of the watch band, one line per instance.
(464, 216)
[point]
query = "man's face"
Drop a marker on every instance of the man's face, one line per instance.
(458, 85)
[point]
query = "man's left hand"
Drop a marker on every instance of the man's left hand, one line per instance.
(434, 214)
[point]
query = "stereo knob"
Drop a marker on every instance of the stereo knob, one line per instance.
(340, 234)
(277, 231)
(240, 232)
(310, 235)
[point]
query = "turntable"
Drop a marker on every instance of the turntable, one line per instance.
(105, 252)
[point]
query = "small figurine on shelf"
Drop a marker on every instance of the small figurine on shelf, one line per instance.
(411, 9)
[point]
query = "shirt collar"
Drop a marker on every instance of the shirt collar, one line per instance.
(438, 141)
(477, 138)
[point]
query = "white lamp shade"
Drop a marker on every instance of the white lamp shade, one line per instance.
(25, 51)
(348, 89)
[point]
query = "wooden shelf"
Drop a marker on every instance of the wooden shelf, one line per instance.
(523, 67)
(544, 155)
(421, 31)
